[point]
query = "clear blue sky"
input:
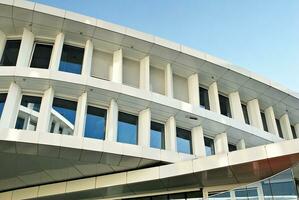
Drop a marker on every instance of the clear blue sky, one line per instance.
(260, 35)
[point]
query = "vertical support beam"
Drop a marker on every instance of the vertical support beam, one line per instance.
(198, 143)
(25, 49)
(144, 127)
(2, 43)
(260, 192)
(232, 195)
(235, 106)
(81, 115)
(270, 119)
(214, 98)
(11, 107)
(205, 194)
(220, 143)
(87, 59)
(112, 119)
(193, 89)
(144, 82)
(286, 127)
(45, 111)
(168, 81)
(116, 72)
(241, 144)
(56, 52)
(297, 129)
(170, 134)
(254, 114)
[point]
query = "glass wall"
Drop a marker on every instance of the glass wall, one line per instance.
(41, 55)
(95, 123)
(10, 53)
(245, 114)
(204, 98)
(224, 106)
(127, 128)
(183, 141)
(157, 136)
(209, 146)
(2, 102)
(71, 59)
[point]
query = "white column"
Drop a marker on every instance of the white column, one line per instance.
(2, 43)
(241, 144)
(270, 119)
(116, 72)
(25, 49)
(144, 82)
(168, 81)
(193, 89)
(220, 143)
(297, 129)
(232, 195)
(112, 119)
(170, 134)
(56, 52)
(45, 111)
(87, 59)
(205, 194)
(286, 127)
(11, 107)
(214, 98)
(81, 115)
(198, 143)
(260, 192)
(144, 127)
(254, 114)
(235, 106)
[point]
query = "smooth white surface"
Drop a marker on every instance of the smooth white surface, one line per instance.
(2, 42)
(170, 134)
(286, 127)
(254, 114)
(235, 106)
(56, 52)
(144, 82)
(168, 81)
(271, 123)
(87, 58)
(198, 144)
(45, 111)
(220, 143)
(241, 144)
(193, 90)
(117, 67)
(144, 127)
(81, 115)
(214, 98)
(112, 119)
(25, 49)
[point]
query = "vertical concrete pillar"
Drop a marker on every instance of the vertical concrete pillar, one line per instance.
(168, 81)
(198, 143)
(56, 52)
(220, 143)
(260, 192)
(170, 134)
(45, 111)
(270, 119)
(25, 49)
(286, 127)
(144, 128)
(87, 59)
(81, 115)
(232, 195)
(117, 67)
(11, 106)
(241, 144)
(254, 114)
(235, 106)
(2, 43)
(297, 129)
(112, 119)
(205, 194)
(214, 98)
(144, 82)
(193, 90)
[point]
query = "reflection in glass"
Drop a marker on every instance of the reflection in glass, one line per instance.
(2, 102)
(95, 123)
(224, 106)
(157, 135)
(294, 132)
(264, 121)
(209, 146)
(71, 59)
(245, 114)
(279, 128)
(41, 56)
(204, 98)
(232, 147)
(127, 128)
(184, 144)
(10, 53)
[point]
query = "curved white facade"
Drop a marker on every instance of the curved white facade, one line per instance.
(132, 79)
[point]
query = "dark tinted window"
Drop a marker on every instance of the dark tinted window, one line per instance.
(71, 59)
(232, 147)
(245, 114)
(224, 106)
(127, 128)
(279, 128)
(10, 53)
(184, 144)
(209, 146)
(294, 132)
(41, 56)
(157, 135)
(2, 102)
(66, 108)
(20, 123)
(204, 98)
(95, 123)
(31, 102)
(264, 121)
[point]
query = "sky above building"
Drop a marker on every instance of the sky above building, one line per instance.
(261, 36)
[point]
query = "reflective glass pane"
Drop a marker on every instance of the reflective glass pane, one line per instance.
(10, 53)
(224, 106)
(2, 102)
(264, 121)
(204, 98)
(183, 139)
(95, 123)
(157, 135)
(41, 56)
(245, 114)
(232, 147)
(209, 146)
(71, 59)
(31, 102)
(279, 128)
(294, 132)
(127, 128)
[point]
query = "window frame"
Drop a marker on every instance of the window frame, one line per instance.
(8, 39)
(137, 125)
(225, 96)
(206, 88)
(191, 145)
(164, 132)
(33, 49)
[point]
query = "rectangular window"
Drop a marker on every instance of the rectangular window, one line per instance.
(41, 56)
(63, 116)
(157, 135)
(127, 128)
(95, 123)
(2, 102)
(224, 106)
(264, 121)
(294, 132)
(204, 98)
(279, 128)
(71, 59)
(209, 146)
(245, 114)
(232, 147)
(10, 53)
(184, 142)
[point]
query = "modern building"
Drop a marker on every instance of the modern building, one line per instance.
(94, 110)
